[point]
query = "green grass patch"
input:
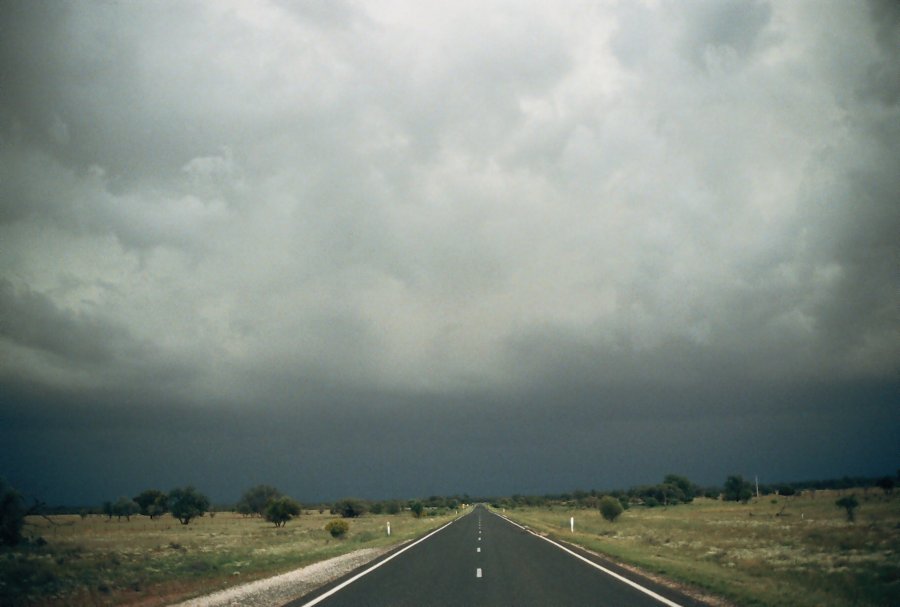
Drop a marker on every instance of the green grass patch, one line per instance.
(786, 551)
(95, 561)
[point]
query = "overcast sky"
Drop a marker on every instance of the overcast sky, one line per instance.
(393, 248)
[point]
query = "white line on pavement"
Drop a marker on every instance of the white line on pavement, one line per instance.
(321, 598)
(621, 578)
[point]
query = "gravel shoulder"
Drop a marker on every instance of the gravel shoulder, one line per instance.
(280, 589)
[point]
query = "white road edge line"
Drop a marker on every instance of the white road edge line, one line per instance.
(343, 585)
(622, 579)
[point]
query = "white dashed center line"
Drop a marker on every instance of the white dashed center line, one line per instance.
(478, 572)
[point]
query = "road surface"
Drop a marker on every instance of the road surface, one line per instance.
(482, 559)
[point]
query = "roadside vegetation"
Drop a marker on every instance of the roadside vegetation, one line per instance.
(837, 547)
(154, 558)
(832, 542)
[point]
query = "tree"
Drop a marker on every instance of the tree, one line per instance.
(687, 488)
(337, 528)
(610, 508)
(255, 500)
(281, 510)
(349, 508)
(12, 514)
(187, 503)
(850, 504)
(392, 507)
(417, 509)
(152, 502)
(737, 489)
(126, 507)
(887, 484)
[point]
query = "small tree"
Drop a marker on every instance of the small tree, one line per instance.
(125, 507)
(610, 508)
(337, 528)
(281, 510)
(417, 509)
(152, 502)
(687, 489)
(256, 499)
(187, 503)
(349, 508)
(850, 504)
(737, 489)
(12, 514)
(887, 484)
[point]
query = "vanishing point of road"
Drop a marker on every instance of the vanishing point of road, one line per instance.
(482, 559)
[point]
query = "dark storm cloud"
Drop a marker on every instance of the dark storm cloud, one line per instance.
(32, 321)
(359, 227)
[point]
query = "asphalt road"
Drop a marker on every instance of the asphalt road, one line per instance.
(483, 560)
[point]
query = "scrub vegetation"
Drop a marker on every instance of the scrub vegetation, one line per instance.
(96, 560)
(773, 550)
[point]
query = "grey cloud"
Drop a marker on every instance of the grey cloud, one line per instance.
(733, 24)
(33, 321)
(320, 210)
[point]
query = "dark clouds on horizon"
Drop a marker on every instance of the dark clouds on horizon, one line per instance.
(431, 249)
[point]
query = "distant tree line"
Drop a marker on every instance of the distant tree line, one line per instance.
(183, 503)
(675, 489)
(186, 503)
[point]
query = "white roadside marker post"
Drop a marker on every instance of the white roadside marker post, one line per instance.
(572, 524)
(389, 527)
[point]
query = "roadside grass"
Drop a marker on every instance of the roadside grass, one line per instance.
(95, 561)
(775, 551)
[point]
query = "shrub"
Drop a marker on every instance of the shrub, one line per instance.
(417, 509)
(255, 501)
(187, 503)
(349, 508)
(12, 515)
(610, 508)
(338, 528)
(850, 504)
(281, 510)
(737, 489)
(125, 507)
(152, 502)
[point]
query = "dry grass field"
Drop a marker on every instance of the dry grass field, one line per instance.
(95, 561)
(775, 551)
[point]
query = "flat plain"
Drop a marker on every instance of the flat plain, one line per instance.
(774, 551)
(96, 561)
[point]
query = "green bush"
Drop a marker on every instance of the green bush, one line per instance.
(737, 489)
(350, 508)
(850, 504)
(610, 508)
(256, 500)
(338, 528)
(12, 515)
(187, 503)
(281, 510)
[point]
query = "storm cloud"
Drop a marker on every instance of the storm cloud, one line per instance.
(380, 242)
